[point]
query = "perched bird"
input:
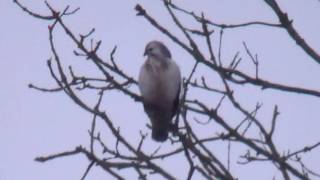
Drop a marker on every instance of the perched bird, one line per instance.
(159, 84)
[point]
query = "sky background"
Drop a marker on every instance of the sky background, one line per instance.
(33, 123)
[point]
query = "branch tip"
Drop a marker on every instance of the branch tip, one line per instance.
(140, 10)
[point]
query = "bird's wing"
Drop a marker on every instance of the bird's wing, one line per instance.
(174, 85)
(176, 103)
(171, 80)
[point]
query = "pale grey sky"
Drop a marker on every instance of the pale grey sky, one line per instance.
(34, 123)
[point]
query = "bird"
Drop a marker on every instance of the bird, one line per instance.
(159, 84)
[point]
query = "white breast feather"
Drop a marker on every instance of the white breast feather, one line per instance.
(171, 79)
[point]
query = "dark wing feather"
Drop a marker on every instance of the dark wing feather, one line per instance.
(176, 103)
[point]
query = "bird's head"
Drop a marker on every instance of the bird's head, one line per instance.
(157, 49)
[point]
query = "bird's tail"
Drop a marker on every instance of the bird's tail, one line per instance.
(160, 131)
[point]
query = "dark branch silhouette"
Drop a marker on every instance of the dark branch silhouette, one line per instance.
(197, 150)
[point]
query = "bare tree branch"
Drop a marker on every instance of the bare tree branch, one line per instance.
(287, 24)
(186, 140)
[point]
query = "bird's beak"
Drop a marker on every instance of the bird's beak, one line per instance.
(145, 52)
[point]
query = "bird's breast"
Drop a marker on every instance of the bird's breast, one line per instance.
(159, 82)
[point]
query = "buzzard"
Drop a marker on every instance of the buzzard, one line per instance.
(159, 84)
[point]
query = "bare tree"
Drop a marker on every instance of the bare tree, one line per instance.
(197, 150)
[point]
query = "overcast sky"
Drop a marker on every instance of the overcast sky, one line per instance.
(34, 123)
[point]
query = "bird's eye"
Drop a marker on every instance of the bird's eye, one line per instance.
(150, 49)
